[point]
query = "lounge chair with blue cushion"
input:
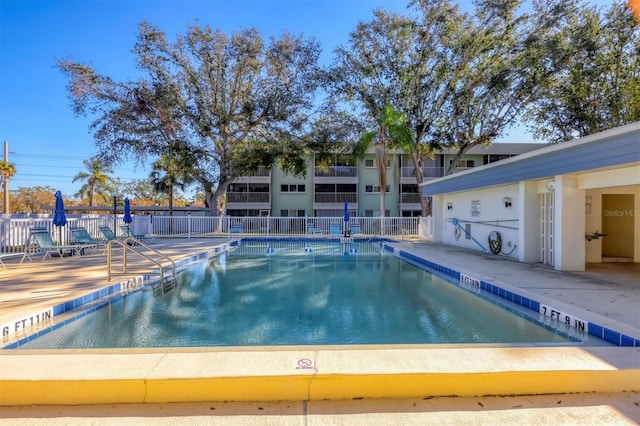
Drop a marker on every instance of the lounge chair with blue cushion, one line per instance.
(82, 236)
(128, 233)
(236, 228)
(45, 243)
(108, 233)
(311, 229)
(335, 229)
(355, 229)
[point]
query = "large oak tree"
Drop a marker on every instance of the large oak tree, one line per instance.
(220, 104)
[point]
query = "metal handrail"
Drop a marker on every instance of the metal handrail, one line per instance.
(129, 244)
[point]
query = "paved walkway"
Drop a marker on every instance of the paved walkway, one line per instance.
(608, 295)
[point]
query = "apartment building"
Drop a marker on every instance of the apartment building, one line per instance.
(326, 187)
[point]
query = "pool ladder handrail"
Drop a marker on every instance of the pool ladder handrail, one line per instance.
(128, 244)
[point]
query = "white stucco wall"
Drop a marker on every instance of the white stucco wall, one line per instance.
(492, 216)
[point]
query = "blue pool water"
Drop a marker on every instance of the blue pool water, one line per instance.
(299, 294)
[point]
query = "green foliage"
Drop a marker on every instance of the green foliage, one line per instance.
(599, 87)
(203, 97)
(169, 174)
(98, 182)
(7, 170)
(459, 79)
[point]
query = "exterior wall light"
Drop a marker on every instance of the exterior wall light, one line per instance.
(507, 201)
(449, 206)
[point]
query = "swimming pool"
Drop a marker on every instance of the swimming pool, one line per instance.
(302, 293)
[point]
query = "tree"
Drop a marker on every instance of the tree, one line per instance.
(221, 104)
(167, 175)
(391, 132)
(396, 62)
(600, 88)
(7, 171)
(458, 79)
(98, 181)
(31, 200)
(142, 193)
(506, 60)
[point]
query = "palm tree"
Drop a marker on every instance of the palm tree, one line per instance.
(97, 178)
(7, 171)
(167, 175)
(392, 132)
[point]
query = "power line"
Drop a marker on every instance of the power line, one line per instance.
(22, 176)
(47, 156)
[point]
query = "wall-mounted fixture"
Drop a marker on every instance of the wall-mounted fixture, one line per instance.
(551, 185)
(449, 206)
(507, 201)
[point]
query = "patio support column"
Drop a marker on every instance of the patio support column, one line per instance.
(528, 222)
(437, 216)
(569, 224)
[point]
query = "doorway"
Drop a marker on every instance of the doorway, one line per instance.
(617, 224)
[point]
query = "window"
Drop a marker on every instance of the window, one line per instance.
(374, 188)
(346, 187)
(292, 213)
(292, 188)
(238, 187)
(370, 163)
(463, 163)
(376, 213)
(409, 189)
(493, 158)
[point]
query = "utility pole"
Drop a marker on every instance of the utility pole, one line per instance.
(6, 180)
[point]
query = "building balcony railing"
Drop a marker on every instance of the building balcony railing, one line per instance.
(248, 197)
(337, 171)
(336, 197)
(428, 172)
(410, 198)
(261, 171)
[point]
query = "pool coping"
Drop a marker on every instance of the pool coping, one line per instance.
(310, 373)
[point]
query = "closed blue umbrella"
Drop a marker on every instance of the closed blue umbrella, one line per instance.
(59, 218)
(127, 212)
(346, 218)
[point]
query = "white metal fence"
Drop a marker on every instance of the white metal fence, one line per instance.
(14, 232)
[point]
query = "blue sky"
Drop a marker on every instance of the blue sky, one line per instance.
(47, 142)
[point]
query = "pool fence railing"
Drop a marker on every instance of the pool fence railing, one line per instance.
(15, 229)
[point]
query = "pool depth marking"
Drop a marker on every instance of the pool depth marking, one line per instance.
(469, 283)
(27, 325)
(567, 319)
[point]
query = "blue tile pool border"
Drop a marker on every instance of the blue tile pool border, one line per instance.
(99, 298)
(601, 332)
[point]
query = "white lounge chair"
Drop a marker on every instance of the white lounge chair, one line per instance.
(11, 256)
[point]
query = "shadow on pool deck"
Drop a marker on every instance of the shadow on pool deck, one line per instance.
(44, 377)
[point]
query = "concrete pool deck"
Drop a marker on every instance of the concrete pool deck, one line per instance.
(374, 385)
